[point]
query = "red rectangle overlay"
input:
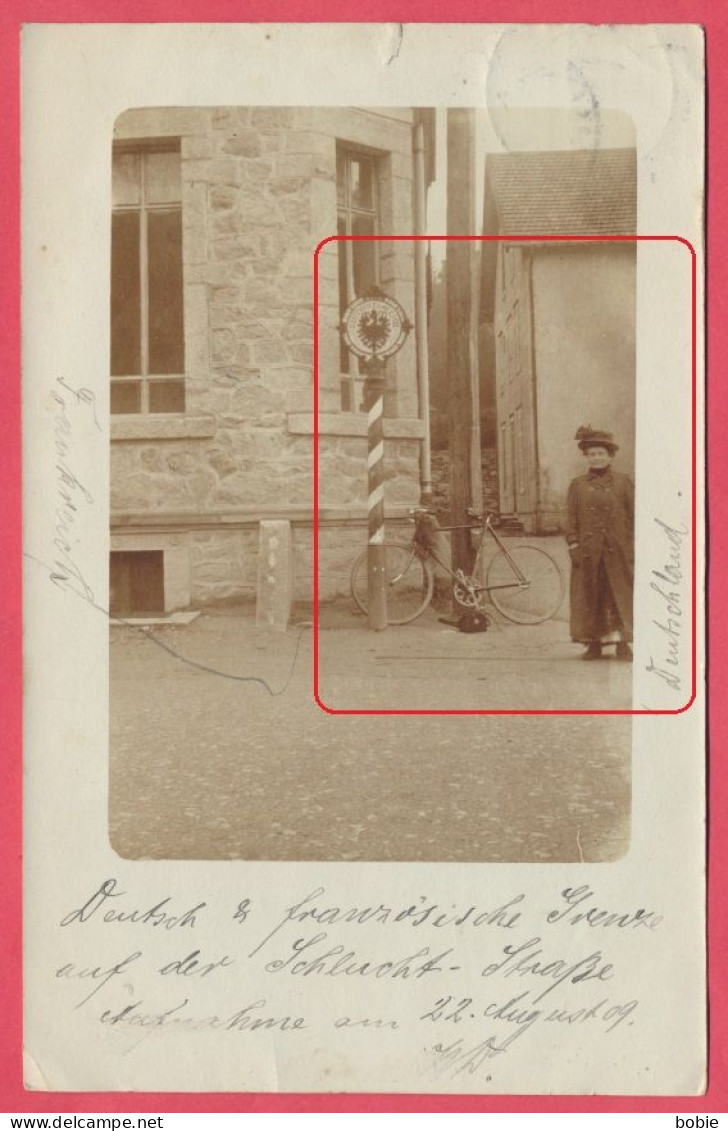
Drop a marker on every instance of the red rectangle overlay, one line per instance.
(693, 468)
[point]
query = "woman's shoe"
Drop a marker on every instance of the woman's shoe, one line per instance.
(593, 651)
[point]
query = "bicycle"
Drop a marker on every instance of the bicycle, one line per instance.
(524, 583)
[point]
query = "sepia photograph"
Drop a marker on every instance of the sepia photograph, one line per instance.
(467, 543)
(364, 725)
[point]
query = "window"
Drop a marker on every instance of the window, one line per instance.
(136, 583)
(147, 327)
(356, 194)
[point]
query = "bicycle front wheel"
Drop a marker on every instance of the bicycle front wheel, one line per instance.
(409, 583)
(538, 597)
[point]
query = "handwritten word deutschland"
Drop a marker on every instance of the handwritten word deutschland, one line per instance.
(667, 584)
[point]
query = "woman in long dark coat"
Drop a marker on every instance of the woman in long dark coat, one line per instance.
(600, 533)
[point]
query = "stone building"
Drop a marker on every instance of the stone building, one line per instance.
(563, 316)
(216, 216)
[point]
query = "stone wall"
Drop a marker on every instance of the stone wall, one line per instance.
(258, 194)
(223, 565)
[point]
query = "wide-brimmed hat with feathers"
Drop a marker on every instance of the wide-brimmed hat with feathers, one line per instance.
(588, 437)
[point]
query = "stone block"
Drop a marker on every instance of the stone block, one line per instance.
(254, 175)
(299, 264)
(286, 186)
(375, 129)
(298, 401)
(274, 242)
(196, 313)
(265, 267)
(295, 165)
(197, 357)
(272, 352)
(222, 171)
(301, 352)
(234, 247)
(295, 291)
(252, 398)
(243, 143)
(151, 459)
(272, 117)
(294, 331)
(319, 145)
(260, 212)
(223, 197)
(224, 347)
(221, 461)
(194, 247)
(194, 232)
(223, 118)
(196, 147)
(296, 212)
(130, 493)
(259, 293)
(222, 316)
(254, 330)
(272, 141)
(275, 575)
(229, 223)
(226, 296)
(162, 121)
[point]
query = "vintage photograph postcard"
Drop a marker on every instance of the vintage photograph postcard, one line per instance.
(364, 559)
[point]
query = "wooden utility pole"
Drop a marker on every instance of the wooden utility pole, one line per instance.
(465, 487)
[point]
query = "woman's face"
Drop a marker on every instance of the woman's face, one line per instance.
(598, 457)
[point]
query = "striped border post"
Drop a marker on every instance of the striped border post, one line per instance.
(376, 558)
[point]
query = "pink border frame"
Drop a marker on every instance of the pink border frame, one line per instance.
(693, 457)
(714, 16)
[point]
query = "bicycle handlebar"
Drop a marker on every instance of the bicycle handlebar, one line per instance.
(482, 519)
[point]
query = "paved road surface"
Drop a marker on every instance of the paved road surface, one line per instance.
(210, 767)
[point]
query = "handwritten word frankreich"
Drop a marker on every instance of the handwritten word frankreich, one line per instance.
(71, 494)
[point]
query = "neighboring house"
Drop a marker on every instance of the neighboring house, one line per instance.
(216, 215)
(563, 316)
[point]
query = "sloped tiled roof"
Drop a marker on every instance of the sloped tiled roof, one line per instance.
(564, 192)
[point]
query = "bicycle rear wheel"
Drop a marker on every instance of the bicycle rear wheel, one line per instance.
(539, 598)
(409, 583)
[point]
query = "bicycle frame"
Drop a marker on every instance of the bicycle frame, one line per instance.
(486, 525)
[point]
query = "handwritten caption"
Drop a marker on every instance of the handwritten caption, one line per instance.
(471, 980)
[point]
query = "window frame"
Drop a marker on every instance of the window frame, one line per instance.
(143, 148)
